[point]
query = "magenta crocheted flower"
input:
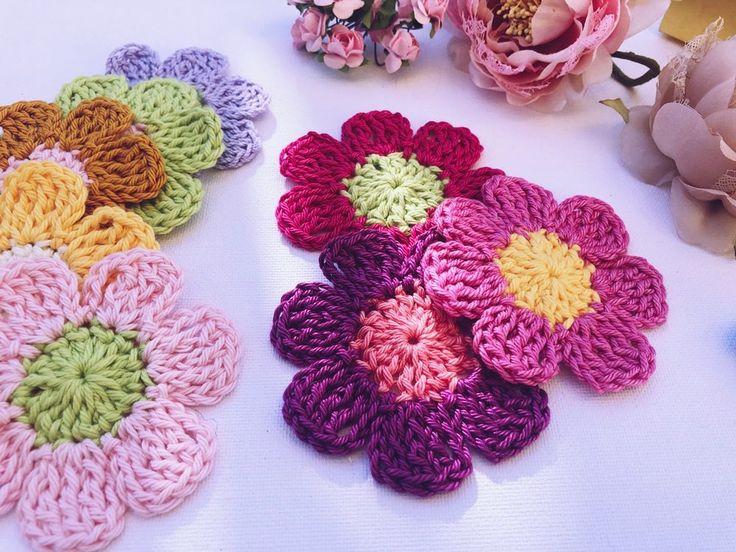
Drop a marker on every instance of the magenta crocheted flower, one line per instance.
(384, 368)
(380, 174)
(546, 284)
(95, 390)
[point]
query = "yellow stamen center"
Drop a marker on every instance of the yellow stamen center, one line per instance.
(519, 15)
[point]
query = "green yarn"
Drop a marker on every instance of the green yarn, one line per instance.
(81, 385)
(394, 191)
(187, 133)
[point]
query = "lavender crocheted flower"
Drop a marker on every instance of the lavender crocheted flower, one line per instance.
(383, 368)
(235, 99)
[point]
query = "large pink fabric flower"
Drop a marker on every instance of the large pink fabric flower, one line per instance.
(546, 51)
(688, 138)
(546, 284)
(95, 390)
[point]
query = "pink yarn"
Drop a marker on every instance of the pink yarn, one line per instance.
(74, 496)
(604, 346)
(68, 159)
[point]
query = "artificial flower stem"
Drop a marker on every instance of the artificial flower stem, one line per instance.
(629, 82)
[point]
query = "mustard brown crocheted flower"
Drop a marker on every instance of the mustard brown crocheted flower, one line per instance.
(96, 390)
(42, 214)
(98, 140)
(380, 174)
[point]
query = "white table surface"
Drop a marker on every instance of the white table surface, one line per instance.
(653, 468)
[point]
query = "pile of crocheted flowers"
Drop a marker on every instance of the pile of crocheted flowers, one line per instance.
(454, 292)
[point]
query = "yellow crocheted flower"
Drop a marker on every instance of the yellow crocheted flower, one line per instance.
(42, 213)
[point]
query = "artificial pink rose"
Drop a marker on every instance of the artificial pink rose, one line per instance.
(343, 9)
(344, 48)
(309, 29)
(401, 46)
(688, 138)
(426, 11)
(546, 51)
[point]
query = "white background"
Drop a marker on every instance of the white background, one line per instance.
(653, 468)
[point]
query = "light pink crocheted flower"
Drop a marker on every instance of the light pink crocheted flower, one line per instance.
(95, 390)
(546, 284)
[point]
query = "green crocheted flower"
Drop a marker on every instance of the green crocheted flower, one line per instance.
(186, 131)
(82, 384)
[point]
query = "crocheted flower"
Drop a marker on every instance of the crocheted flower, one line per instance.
(384, 368)
(42, 213)
(95, 390)
(236, 100)
(380, 174)
(187, 133)
(546, 284)
(97, 139)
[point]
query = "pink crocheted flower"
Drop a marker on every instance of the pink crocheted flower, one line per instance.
(95, 390)
(380, 174)
(546, 284)
(384, 368)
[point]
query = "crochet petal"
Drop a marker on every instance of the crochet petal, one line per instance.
(332, 405)
(235, 97)
(419, 448)
(156, 98)
(87, 88)
(93, 122)
(470, 184)
(500, 418)
(471, 223)
(318, 159)
(40, 201)
(197, 66)
(376, 132)
(633, 285)
(123, 170)
(594, 226)
(518, 344)
(310, 215)
(313, 322)
(132, 290)
(520, 205)
(26, 125)
(105, 231)
(193, 356)
(12, 373)
(190, 141)
(241, 143)
(16, 444)
(462, 280)
(162, 452)
(37, 297)
(178, 201)
(136, 62)
(450, 148)
(363, 264)
(608, 352)
(69, 501)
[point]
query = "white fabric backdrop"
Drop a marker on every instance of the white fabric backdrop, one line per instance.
(653, 468)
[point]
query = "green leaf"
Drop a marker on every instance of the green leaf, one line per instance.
(618, 106)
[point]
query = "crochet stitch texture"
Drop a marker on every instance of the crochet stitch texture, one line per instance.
(380, 174)
(96, 386)
(97, 139)
(546, 284)
(383, 368)
(236, 100)
(42, 214)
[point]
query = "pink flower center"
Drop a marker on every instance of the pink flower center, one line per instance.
(68, 159)
(412, 349)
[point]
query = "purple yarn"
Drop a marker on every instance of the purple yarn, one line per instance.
(333, 403)
(235, 100)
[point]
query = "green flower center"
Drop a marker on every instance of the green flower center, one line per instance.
(81, 385)
(392, 190)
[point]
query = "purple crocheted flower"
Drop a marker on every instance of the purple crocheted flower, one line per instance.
(383, 368)
(235, 100)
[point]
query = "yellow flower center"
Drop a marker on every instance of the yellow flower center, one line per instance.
(519, 15)
(548, 277)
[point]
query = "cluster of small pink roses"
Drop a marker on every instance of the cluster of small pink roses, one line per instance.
(336, 30)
